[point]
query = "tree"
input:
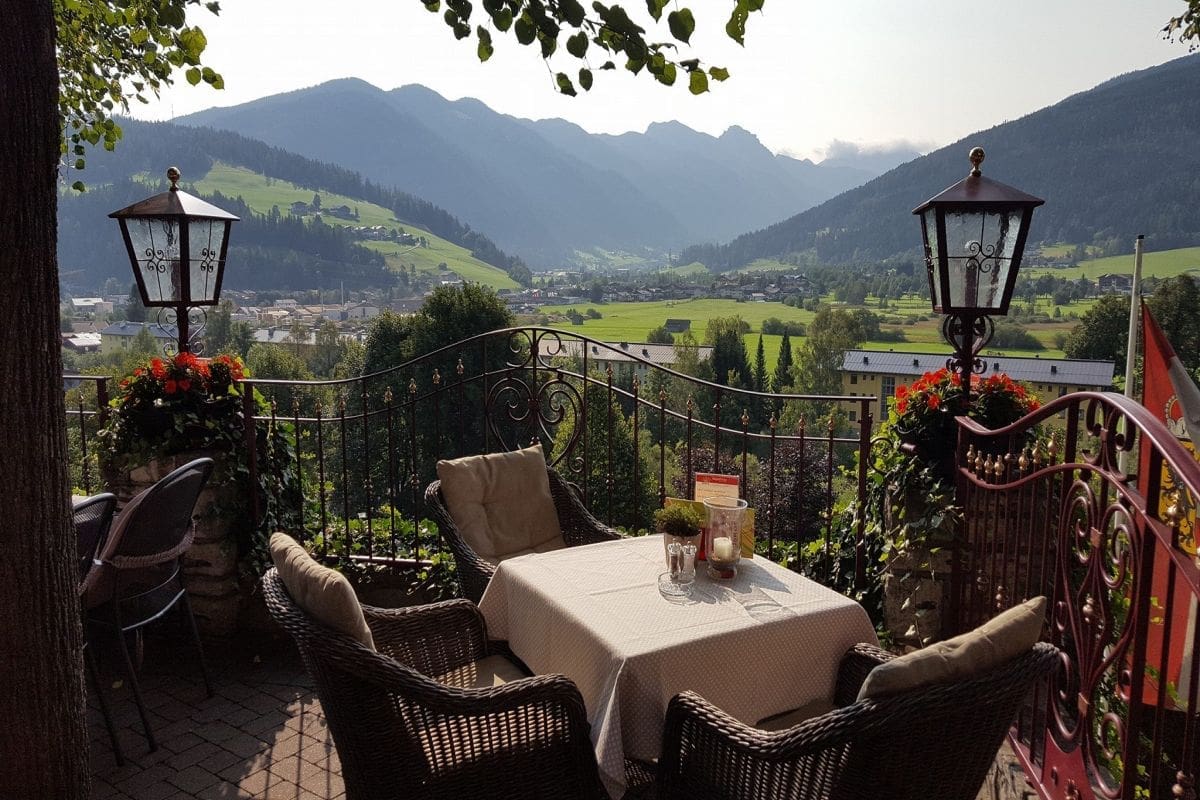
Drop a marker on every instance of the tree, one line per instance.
(219, 329)
(328, 349)
(1174, 305)
(1102, 332)
(730, 365)
(783, 367)
(45, 750)
(609, 29)
(454, 313)
(134, 310)
(106, 48)
(660, 335)
(819, 366)
(760, 367)
(241, 338)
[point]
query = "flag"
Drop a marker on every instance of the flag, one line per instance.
(1169, 392)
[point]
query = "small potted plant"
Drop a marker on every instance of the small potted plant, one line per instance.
(679, 522)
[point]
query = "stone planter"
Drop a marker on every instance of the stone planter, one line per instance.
(916, 583)
(210, 566)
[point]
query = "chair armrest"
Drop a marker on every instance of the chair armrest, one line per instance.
(472, 571)
(576, 522)
(856, 665)
(431, 639)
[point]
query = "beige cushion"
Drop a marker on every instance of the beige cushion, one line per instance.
(788, 719)
(501, 503)
(483, 674)
(323, 593)
(997, 641)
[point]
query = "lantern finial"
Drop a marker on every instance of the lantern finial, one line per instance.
(977, 155)
(173, 175)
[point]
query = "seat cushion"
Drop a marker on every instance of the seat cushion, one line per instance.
(997, 641)
(324, 594)
(483, 674)
(789, 719)
(501, 503)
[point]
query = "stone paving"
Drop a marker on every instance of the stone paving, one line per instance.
(261, 735)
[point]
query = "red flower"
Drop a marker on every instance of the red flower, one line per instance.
(158, 369)
(169, 387)
(934, 401)
(902, 405)
(184, 385)
(902, 391)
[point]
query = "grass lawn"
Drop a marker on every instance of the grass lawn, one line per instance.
(1161, 264)
(261, 193)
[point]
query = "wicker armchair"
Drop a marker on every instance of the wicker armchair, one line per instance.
(934, 742)
(401, 733)
(577, 523)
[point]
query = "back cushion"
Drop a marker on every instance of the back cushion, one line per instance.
(1000, 639)
(501, 503)
(324, 594)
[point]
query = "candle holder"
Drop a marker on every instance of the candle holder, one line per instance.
(723, 536)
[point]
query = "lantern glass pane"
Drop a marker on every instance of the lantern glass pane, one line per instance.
(156, 251)
(929, 224)
(205, 240)
(979, 249)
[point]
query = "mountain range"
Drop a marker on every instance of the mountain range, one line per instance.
(543, 189)
(1111, 162)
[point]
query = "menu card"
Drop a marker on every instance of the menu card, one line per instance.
(709, 484)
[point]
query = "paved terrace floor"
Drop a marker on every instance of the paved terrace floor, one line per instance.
(262, 734)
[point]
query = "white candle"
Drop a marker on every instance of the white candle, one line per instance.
(723, 549)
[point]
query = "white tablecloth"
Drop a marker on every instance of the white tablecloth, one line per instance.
(767, 642)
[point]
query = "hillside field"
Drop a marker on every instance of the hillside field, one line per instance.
(261, 193)
(1161, 264)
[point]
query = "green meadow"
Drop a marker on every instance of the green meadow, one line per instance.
(1161, 264)
(261, 193)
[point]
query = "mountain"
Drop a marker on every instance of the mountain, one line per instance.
(275, 249)
(541, 188)
(1111, 162)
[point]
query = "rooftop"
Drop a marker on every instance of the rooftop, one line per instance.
(1073, 372)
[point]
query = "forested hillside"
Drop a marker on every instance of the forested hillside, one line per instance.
(1111, 163)
(149, 148)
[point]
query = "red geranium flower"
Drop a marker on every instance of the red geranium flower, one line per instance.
(170, 386)
(185, 385)
(934, 401)
(158, 369)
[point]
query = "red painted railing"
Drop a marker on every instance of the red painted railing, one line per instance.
(1099, 519)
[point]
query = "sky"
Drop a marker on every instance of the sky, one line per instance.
(813, 79)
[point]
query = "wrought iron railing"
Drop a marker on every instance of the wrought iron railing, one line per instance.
(627, 431)
(1101, 522)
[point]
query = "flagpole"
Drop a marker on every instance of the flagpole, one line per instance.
(1135, 313)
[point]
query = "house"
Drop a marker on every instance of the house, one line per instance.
(1114, 284)
(118, 337)
(876, 374)
(626, 358)
(91, 305)
(81, 342)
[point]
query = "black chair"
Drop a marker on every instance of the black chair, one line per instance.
(138, 575)
(936, 741)
(403, 728)
(93, 517)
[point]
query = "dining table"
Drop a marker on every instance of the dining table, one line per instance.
(760, 644)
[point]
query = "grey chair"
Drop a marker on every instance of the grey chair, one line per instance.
(93, 518)
(138, 578)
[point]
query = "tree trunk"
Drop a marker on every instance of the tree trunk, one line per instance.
(43, 738)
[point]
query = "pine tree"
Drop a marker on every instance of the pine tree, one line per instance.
(783, 367)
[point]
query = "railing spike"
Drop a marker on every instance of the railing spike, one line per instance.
(771, 422)
(460, 369)
(662, 395)
(437, 378)
(745, 417)
(412, 386)
(1023, 461)
(387, 395)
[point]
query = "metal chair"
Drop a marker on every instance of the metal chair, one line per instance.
(937, 741)
(138, 575)
(577, 524)
(399, 731)
(93, 518)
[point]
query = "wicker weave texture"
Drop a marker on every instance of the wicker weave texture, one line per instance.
(577, 524)
(400, 733)
(933, 743)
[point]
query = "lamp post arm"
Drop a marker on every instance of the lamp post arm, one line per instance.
(968, 334)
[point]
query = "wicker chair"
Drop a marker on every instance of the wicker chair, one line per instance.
(577, 523)
(400, 733)
(933, 742)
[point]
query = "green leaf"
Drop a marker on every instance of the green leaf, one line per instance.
(503, 18)
(698, 83)
(564, 84)
(718, 73)
(585, 79)
(681, 23)
(753, 5)
(525, 30)
(79, 162)
(485, 49)
(736, 27)
(608, 65)
(78, 186)
(655, 8)
(577, 45)
(193, 76)
(432, 5)
(572, 12)
(549, 44)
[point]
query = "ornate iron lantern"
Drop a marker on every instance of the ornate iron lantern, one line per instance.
(974, 234)
(177, 245)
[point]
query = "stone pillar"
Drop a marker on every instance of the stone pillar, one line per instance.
(210, 566)
(915, 591)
